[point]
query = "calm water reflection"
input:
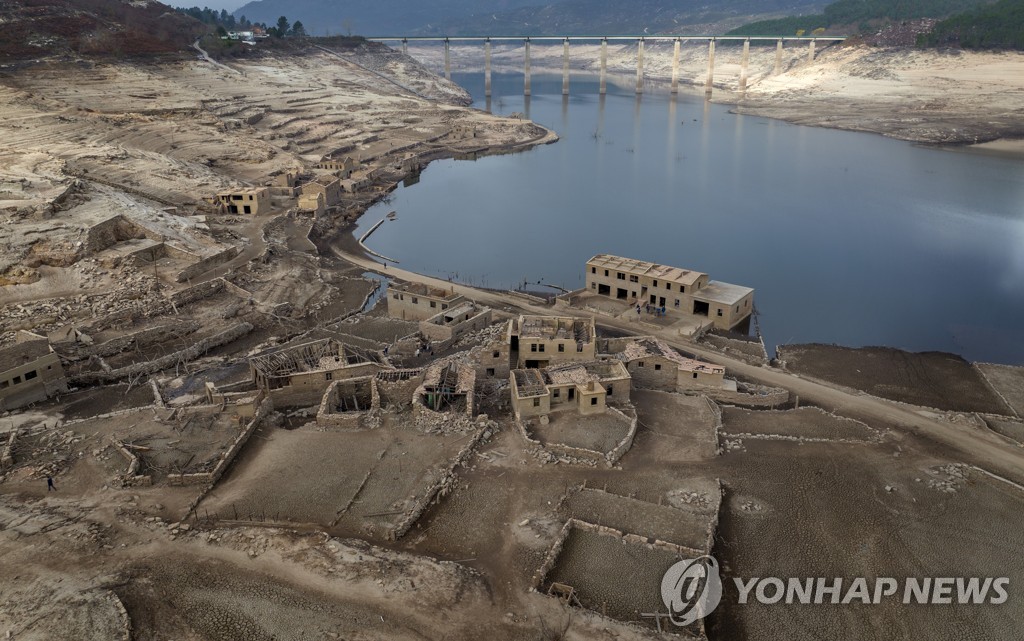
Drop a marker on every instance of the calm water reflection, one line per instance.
(848, 238)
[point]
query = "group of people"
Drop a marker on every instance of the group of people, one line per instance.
(651, 309)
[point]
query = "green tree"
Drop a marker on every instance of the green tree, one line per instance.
(298, 29)
(282, 26)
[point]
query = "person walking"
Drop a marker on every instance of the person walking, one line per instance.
(50, 487)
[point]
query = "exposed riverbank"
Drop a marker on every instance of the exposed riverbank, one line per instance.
(947, 97)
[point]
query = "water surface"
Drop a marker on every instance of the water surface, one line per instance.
(848, 238)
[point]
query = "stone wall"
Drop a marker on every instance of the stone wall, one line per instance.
(263, 407)
(139, 339)
(7, 455)
(397, 395)
(205, 264)
(115, 230)
(556, 549)
(307, 389)
(585, 455)
(750, 395)
(131, 476)
(443, 486)
(149, 367)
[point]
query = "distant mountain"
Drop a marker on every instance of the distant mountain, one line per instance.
(516, 17)
(372, 17)
(607, 17)
(42, 28)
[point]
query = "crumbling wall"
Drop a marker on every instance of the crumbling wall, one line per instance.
(556, 549)
(198, 292)
(307, 388)
(443, 486)
(114, 230)
(140, 338)
(188, 354)
(397, 395)
(491, 360)
(448, 334)
(622, 446)
(7, 455)
(263, 407)
(131, 476)
(750, 395)
(329, 416)
(579, 454)
(206, 264)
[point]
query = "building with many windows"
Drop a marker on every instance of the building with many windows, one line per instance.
(677, 290)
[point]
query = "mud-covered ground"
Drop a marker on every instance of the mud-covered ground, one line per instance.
(929, 379)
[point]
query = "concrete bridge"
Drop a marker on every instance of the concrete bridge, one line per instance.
(487, 40)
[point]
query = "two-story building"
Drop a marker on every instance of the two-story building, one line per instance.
(341, 168)
(677, 290)
(585, 387)
(254, 201)
(417, 301)
(540, 341)
(327, 185)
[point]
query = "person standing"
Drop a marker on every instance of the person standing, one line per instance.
(50, 487)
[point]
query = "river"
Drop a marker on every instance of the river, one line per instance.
(848, 238)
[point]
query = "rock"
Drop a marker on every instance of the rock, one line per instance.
(524, 522)
(889, 488)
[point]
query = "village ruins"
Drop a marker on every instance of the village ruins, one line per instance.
(256, 429)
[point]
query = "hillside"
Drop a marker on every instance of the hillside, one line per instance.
(372, 17)
(505, 17)
(36, 28)
(996, 26)
(852, 16)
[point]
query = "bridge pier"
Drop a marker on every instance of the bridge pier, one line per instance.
(778, 58)
(743, 64)
(526, 70)
(405, 46)
(487, 68)
(604, 66)
(447, 60)
(709, 81)
(675, 67)
(810, 52)
(565, 67)
(640, 66)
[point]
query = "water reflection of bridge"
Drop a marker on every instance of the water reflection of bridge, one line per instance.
(640, 40)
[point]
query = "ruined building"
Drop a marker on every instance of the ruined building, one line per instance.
(300, 374)
(416, 301)
(653, 364)
(537, 341)
(679, 291)
(29, 372)
(584, 387)
(254, 201)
